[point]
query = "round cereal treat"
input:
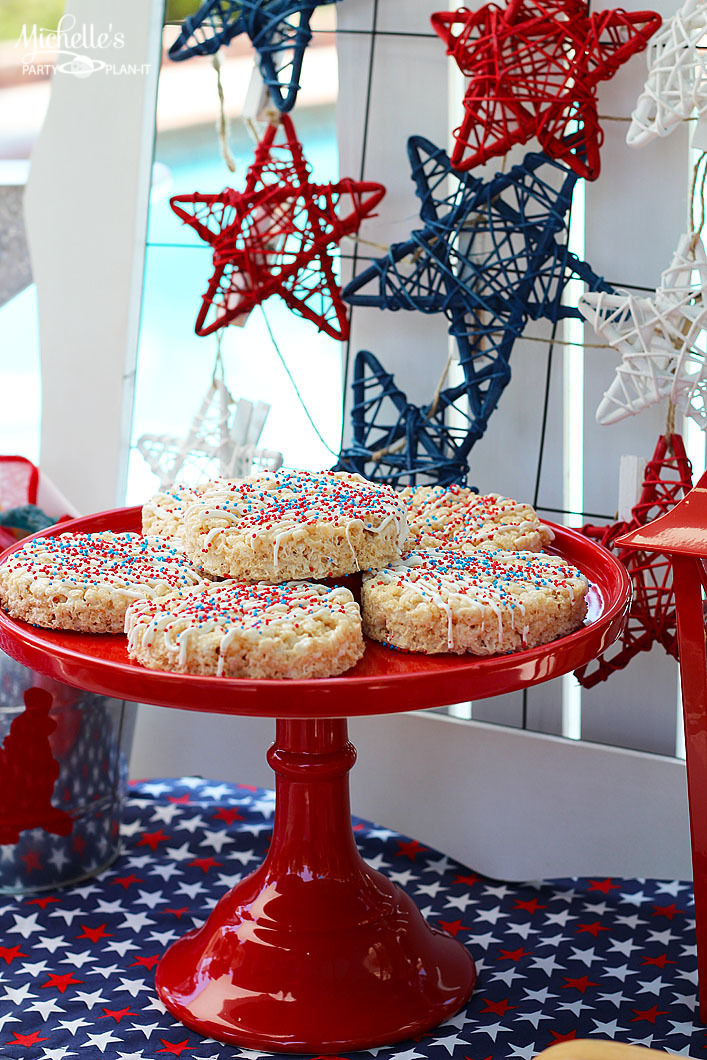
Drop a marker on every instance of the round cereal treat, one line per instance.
(456, 517)
(86, 582)
(239, 629)
(285, 525)
(441, 600)
(163, 514)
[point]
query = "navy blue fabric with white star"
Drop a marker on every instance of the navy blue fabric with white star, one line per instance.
(608, 958)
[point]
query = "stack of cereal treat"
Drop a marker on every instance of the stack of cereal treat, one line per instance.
(238, 579)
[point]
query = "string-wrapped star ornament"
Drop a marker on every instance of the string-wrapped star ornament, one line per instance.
(397, 442)
(651, 619)
(276, 236)
(532, 70)
(677, 76)
(221, 441)
(279, 30)
(490, 256)
(660, 339)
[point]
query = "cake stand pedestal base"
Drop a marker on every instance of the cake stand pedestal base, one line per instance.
(314, 952)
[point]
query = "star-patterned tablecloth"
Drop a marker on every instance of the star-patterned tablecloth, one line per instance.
(557, 960)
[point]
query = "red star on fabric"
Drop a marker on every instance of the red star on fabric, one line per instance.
(60, 982)
(179, 913)
(275, 236)
(513, 955)
(557, 1037)
(31, 860)
(498, 1007)
(153, 839)
(43, 901)
(117, 1013)
(145, 962)
(468, 880)
(581, 984)
(452, 927)
(648, 1014)
(592, 929)
(651, 618)
(408, 850)
(229, 814)
(9, 954)
(94, 934)
(126, 881)
(179, 798)
(530, 906)
(668, 911)
(205, 863)
(533, 70)
(660, 962)
(27, 1039)
(176, 1048)
(603, 885)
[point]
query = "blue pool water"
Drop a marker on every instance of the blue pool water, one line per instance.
(175, 365)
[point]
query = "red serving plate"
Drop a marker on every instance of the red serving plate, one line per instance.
(382, 682)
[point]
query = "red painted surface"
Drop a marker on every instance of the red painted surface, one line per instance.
(383, 682)
(315, 951)
(29, 771)
(682, 534)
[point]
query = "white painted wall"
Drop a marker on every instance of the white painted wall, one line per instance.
(86, 214)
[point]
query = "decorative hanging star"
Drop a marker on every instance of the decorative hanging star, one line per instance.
(491, 256)
(651, 619)
(660, 339)
(397, 442)
(275, 236)
(533, 68)
(677, 76)
(221, 442)
(279, 31)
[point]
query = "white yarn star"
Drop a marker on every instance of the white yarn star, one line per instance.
(660, 338)
(220, 442)
(677, 75)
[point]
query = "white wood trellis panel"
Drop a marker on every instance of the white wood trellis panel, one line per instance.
(86, 209)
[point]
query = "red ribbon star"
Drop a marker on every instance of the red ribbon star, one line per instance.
(533, 70)
(275, 236)
(652, 618)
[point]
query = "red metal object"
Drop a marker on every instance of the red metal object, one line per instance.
(682, 534)
(316, 952)
(652, 618)
(533, 68)
(275, 237)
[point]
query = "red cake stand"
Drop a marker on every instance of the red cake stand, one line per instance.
(316, 952)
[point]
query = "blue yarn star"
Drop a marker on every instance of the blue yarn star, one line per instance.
(395, 441)
(488, 257)
(278, 29)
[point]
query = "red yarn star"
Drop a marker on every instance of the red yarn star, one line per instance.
(652, 618)
(533, 70)
(275, 236)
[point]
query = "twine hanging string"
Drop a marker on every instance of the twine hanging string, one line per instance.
(222, 123)
(670, 423)
(697, 229)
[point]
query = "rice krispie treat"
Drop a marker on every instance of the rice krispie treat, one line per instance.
(285, 525)
(163, 514)
(236, 629)
(456, 517)
(441, 600)
(86, 582)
